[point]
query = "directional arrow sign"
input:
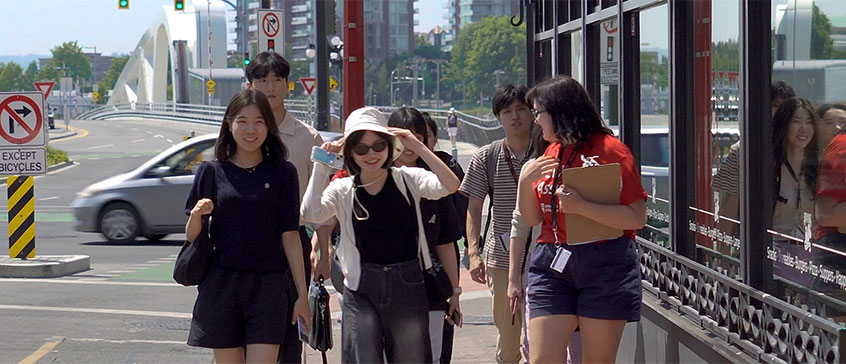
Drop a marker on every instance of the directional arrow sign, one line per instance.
(210, 83)
(271, 34)
(21, 119)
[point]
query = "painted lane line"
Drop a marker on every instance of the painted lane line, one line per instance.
(48, 198)
(98, 311)
(122, 271)
(139, 140)
(169, 141)
(133, 129)
(148, 132)
(158, 136)
(43, 350)
(102, 146)
(102, 283)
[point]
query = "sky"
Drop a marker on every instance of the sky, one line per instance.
(36, 26)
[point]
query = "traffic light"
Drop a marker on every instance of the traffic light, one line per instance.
(123, 4)
(179, 5)
(246, 58)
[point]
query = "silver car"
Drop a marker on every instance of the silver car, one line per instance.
(148, 201)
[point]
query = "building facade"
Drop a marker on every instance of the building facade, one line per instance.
(298, 25)
(463, 12)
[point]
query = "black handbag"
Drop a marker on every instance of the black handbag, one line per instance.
(438, 286)
(195, 259)
(321, 321)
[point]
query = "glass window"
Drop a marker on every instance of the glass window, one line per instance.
(654, 119)
(716, 133)
(809, 249)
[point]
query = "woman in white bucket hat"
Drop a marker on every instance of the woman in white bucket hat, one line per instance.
(385, 307)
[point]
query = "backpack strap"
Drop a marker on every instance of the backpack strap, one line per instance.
(490, 168)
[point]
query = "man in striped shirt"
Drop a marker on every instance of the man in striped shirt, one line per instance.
(499, 180)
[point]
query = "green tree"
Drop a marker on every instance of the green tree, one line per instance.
(821, 43)
(112, 75)
(484, 49)
(68, 60)
(423, 49)
(725, 56)
(654, 69)
(31, 71)
(13, 79)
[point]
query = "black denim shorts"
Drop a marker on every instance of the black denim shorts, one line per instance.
(238, 308)
(600, 280)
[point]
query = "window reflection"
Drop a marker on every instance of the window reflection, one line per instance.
(654, 106)
(809, 244)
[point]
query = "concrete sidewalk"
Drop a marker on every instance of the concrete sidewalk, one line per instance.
(473, 343)
(60, 132)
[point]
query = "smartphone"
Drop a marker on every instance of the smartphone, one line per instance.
(305, 335)
(321, 155)
(457, 318)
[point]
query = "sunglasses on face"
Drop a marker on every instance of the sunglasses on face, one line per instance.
(536, 112)
(363, 149)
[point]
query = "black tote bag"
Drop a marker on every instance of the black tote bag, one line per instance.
(195, 258)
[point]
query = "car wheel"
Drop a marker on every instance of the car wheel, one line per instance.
(119, 223)
(155, 237)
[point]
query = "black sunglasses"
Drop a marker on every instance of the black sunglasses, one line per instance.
(362, 149)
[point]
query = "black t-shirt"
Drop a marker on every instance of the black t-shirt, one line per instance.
(251, 211)
(389, 235)
(440, 222)
(452, 121)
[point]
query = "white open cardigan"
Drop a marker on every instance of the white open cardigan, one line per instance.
(322, 203)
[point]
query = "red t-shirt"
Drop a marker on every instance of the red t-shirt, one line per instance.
(600, 149)
(341, 173)
(831, 178)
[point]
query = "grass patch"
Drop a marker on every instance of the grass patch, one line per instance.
(55, 156)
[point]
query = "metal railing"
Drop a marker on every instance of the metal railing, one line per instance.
(764, 327)
(472, 129)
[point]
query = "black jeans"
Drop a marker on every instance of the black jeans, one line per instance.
(387, 317)
(291, 350)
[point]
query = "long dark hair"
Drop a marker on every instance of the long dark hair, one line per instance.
(574, 115)
(273, 149)
(781, 122)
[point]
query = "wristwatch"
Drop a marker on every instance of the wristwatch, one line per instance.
(456, 290)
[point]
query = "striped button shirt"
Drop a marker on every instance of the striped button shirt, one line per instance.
(475, 184)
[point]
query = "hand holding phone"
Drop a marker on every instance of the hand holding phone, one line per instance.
(328, 158)
(457, 318)
(305, 336)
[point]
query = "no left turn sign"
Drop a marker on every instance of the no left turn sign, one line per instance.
(21, 119)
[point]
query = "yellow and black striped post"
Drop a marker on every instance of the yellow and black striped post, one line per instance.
(21, 216)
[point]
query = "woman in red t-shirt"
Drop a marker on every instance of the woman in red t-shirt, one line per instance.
(593, 286)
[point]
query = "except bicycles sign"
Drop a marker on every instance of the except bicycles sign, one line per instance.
(21, 119)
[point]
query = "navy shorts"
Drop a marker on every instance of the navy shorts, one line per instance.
(238, 308)
(601, 281)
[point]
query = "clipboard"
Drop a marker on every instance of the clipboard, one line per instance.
(599, 184)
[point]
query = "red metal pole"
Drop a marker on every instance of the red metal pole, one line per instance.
(702, 111)
(353, 55)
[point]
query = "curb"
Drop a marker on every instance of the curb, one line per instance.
(44, 266)
(59, 166)
(68, 135)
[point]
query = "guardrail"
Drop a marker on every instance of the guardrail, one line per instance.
(474, 130)
(766, 328)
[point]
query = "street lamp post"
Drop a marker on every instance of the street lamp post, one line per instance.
(392, 87)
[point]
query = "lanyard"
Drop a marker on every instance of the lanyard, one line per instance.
(798, 185)
(555, 177)
(507, 152)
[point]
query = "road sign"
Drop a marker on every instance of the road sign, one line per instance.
(23, 161)
(308, 84)
(333, 84)
(610, 37)
(96, 96)
(210, 86)
(271, 35)
(21, 119)
(291, 85)
(45, 87)
(21, 216)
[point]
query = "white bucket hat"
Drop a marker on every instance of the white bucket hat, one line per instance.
(371, 119)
